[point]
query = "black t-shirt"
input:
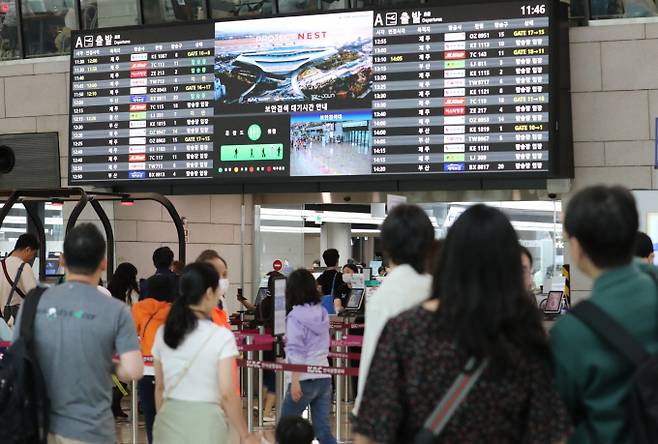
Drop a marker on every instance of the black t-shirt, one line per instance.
(265, 312)
(326, 281)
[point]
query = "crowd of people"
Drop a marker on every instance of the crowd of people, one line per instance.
(448, 311)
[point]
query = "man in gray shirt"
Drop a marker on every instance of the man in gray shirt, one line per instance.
(77, 332)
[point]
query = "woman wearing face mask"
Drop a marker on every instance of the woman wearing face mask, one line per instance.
(343, 292)
(219, 315)
(194, 361)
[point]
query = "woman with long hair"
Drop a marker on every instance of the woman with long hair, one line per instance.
(307, 343)
(478, 317)
(123, 284)
(193, 361)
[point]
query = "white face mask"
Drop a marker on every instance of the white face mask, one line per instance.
(223, 287)
(347, 278)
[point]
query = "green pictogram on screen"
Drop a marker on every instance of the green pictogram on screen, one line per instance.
(255, 152)
(254, 132)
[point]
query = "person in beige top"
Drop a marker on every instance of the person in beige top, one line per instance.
(23, 254)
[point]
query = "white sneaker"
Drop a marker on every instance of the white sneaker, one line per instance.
(269, 418)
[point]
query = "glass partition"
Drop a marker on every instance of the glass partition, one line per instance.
(47, 26)
(9, 48)
(106, 13)
(286, 6)
(278, 235)
(537, 224)
(161, 11)
(292, 234)
(235, 8)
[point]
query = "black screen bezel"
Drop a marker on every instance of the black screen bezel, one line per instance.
(561, 163)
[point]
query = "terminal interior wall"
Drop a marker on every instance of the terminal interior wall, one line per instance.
(614, 100)
(615, 106)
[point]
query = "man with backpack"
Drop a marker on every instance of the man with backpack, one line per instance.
(77, 332)
(16, 275)
(603, 348)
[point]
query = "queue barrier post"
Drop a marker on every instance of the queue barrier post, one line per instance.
(250, 388)
(339, 390)
(280, 389)
(261, 331)
(133, 411)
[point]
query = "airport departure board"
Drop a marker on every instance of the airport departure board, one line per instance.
(431, 92)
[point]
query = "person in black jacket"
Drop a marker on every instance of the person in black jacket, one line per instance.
(265, 316)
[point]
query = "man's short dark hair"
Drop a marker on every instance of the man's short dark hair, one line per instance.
(407, 236)
(330, 257)
(84, 249)
(163, 257)
(27, 240)
(604, 220)
(643, 245)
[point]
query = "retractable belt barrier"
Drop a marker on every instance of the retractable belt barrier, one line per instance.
(344, 355)
(342, 325)
(298, 368)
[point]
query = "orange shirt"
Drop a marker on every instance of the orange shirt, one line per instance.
(220, 317)
(149, 314)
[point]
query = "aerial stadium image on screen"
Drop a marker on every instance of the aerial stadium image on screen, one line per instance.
(330, 144)
(322, 57)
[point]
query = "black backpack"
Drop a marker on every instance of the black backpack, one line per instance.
(23, 398)
(642, 401)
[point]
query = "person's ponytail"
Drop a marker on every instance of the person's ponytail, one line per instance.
(194, 282)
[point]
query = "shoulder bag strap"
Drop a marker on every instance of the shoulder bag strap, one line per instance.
(451, 401)
(333, 284)
(186, 369)
(14, 283)
(29, 313)
(611, 332)
(146, 326)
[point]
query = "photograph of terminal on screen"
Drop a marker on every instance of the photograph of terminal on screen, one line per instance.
(311, 58)
(330, 144)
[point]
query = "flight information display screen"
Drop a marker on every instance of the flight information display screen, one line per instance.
(454, 91)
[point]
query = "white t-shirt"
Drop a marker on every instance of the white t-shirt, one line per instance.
(27, 281)
(201, 383)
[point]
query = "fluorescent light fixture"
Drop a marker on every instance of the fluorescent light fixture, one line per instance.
(19, 220)
(289, 230)
(12, 230)
(286, 215)
(534, 226)
(529, 205)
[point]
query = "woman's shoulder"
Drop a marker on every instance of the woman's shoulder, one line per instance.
(414, 317)
(413, 323)
(217, 331)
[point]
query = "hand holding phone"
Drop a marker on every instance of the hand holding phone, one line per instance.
(240, 297)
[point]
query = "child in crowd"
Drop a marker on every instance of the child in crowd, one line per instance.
(294, 430)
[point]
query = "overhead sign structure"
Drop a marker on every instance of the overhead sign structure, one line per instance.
(465, 90)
